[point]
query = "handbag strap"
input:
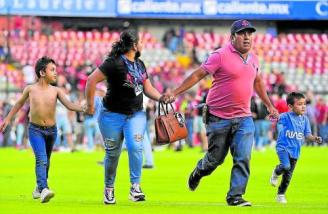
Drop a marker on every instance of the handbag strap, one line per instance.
(164, 107)
(161, 107)
(167, 108)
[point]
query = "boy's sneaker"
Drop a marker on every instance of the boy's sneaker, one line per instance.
(36, 193)
(109, 197)
(274, 179)
(281, 199)
(194, 179)
(239, 202)
(136, 193)
(46, 195)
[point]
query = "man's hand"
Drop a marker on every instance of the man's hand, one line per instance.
(167, 98)
(4, 125)
(90, 110)
(273, 113)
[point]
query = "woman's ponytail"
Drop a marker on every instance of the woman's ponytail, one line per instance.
(127, 39)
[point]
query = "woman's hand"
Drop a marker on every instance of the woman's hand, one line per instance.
(167, 98)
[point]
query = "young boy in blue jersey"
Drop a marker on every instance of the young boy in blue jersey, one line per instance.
(293, 128)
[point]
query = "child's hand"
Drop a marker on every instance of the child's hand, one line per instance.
(272, 117)
(318, 139)
(90, 110)
(84, 108)
(273, 114)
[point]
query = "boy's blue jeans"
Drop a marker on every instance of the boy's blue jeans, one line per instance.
(42, 140)
(286, 168)
(113, 127)
(236, 134)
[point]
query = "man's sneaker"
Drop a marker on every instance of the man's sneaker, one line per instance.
(239, 202)
(136, 193)
(274, 179)
(46, 195)
(109, 197)
(194, 179)
(146, 166)
(281, 199)
(36, 193)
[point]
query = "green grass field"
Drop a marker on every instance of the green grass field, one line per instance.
(77, 180)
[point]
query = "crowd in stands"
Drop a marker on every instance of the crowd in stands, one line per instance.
(289, 62)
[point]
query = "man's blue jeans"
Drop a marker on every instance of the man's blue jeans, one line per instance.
(262, 128)
(190, 128)
(91, 129)
(149, 160)
(323, 132)
(42, 140)
(237, 135)
(19, 134)
(113, 127)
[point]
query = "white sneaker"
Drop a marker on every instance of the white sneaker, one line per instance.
(109, 197)
(36, 193)
(281, 199)
(136, 193)
(274, 179)
(46, 195)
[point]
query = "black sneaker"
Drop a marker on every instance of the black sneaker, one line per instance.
(109, 197)
(194, 179)
(136, 193)
(148, 166)
(239, 202)
(178, 148)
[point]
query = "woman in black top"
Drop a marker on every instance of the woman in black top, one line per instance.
(122, 115)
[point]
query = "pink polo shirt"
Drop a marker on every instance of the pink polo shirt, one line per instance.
(232, 88)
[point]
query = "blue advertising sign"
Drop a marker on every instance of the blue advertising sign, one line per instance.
(68, 8)
(192, 9)
(224, 9)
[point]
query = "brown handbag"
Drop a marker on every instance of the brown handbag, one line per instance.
(170, 126)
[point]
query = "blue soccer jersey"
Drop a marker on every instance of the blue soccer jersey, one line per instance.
(292, 129)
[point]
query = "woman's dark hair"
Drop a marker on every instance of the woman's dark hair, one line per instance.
(41, 65)
(127, 39)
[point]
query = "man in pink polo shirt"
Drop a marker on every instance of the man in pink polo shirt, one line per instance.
(236, 74)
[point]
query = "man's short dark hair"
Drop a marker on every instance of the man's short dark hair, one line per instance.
(294, 96)
(42, 63)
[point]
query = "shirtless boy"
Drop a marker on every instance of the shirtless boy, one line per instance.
(42, 128)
